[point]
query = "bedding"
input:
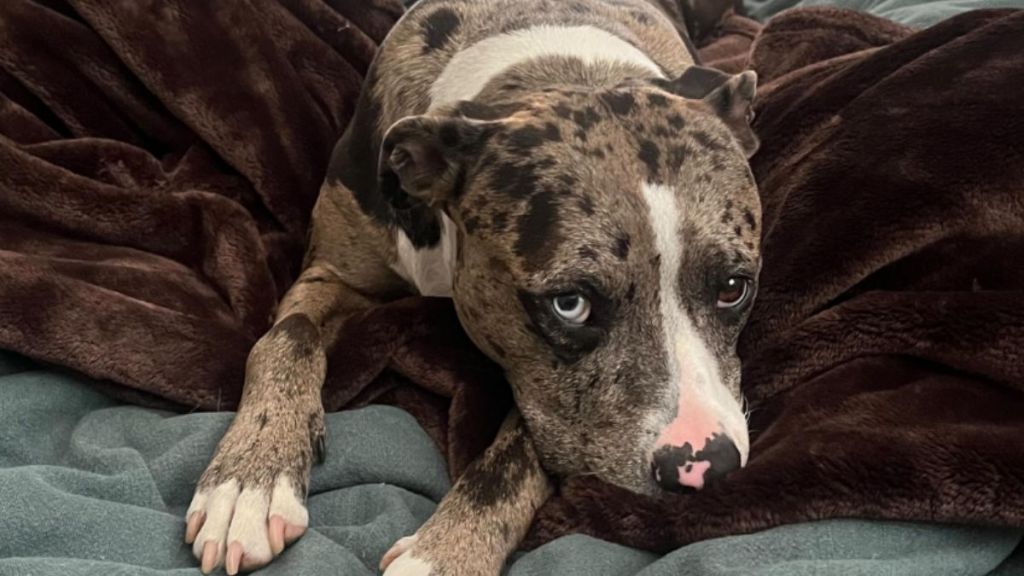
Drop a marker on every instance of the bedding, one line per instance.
(883, 358)
(155, 196)
(91, 485)
(914, 13)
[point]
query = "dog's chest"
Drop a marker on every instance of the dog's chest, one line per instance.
(429, 269)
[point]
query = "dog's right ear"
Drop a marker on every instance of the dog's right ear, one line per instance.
(695, 83)
(427, 154)
(729, 96)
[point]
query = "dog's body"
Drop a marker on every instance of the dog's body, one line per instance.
(564, 172)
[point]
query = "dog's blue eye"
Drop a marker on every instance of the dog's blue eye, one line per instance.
(573, 308)
(733, 293)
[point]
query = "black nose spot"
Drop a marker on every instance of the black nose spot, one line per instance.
(723, 455)
(665, 466)
(719, 457)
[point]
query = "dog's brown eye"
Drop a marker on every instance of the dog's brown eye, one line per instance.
(733, 293)
(573, 308)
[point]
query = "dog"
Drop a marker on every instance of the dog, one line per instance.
(579, 185)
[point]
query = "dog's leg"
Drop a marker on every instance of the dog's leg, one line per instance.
(250, 502)
(483, 518)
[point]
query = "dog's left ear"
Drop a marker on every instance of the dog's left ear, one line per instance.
(427, 154)
(731, 97)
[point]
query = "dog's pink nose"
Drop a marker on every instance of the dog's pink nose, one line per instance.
(689, 456)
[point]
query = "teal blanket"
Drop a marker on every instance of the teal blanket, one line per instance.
(914, 13)
(91, 486)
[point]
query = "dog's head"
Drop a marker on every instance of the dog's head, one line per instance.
(607, 258)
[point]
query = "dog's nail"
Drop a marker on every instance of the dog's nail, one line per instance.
(234, 559)
(292, 532)
(276, 534)
(388, 558)
(321, 448)
(195, 522)
(210, 552)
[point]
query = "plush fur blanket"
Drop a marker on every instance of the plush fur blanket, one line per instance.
(158, 161)
(885, 355)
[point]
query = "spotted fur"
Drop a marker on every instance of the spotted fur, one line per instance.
(536, 183)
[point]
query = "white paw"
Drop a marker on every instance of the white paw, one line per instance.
(406, 565)
(243, 528)
(397, 549)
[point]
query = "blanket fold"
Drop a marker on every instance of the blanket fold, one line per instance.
(158, 161)
(883, 359)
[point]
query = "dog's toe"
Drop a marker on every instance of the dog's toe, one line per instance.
(406, 564)
(397, 549)
(243, 529)
(210, 515)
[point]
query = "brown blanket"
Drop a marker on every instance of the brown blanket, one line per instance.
(158, 161)
(885, 355)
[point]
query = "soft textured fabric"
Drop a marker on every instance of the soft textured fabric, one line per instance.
(884, 359)
(159, 163)
(154, 198)
(915, 13)
(90, 486)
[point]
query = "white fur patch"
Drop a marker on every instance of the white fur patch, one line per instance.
(691, 365)
(430, 270)
(236, 515)
(249, 525)
(285, 503)
(400, 547)
(218, 505)
(406, 565)
(471, 69)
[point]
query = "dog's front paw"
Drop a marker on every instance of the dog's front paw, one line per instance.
(439, 554)
(250, 501)
(244, 527)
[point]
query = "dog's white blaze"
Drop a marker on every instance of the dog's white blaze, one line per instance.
(471, 69)
(428, 269)
(691, 365)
